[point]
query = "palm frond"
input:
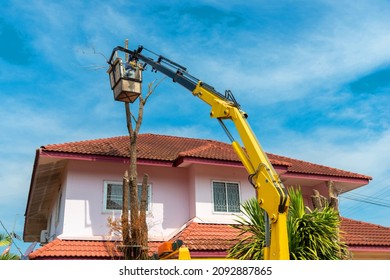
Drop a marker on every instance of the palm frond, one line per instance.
(9, 256)
(313, 235)
(250, 242)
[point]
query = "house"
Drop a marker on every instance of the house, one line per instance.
(194, 193)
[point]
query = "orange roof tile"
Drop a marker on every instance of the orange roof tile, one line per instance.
(357, 233)
(173, 149)
(77, 249)
(82, 249)
(300, 166)
(200, 237)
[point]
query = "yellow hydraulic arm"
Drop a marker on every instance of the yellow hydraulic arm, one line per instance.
(271, 194)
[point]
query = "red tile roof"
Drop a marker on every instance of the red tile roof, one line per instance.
(200, 237)
(77, 249)
(357, 233)
(172, 149)
(82, 249)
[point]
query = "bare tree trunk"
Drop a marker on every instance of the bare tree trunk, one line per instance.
(134, 206)
(142, 218)
(125, 217)
(138, 227)
(135, 234)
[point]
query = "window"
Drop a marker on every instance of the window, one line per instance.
(113, 196)
(226, 197)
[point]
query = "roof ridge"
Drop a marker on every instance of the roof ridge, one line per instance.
(140, 134)
(183, 137)
(200, 148)
(83, 141)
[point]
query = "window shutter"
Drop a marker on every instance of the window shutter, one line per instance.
(233, 197)
(114, 196)
(219, 192)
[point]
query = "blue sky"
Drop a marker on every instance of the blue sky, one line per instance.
(313, 76)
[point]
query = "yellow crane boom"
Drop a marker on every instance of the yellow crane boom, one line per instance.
(271, 194)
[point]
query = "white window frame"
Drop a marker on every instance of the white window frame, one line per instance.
(107, 182)
(227, 210)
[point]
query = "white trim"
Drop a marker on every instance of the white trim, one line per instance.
(89, 237)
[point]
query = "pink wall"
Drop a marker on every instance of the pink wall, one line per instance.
(203, 175)
(84, 215)
(178, 195)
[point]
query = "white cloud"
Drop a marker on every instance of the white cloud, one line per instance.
(368, 156)
(345, 44)
(263, 67)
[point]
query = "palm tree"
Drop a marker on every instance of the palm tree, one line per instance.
(313, 234)
(251, 239)
(9, 256)
(6, 240)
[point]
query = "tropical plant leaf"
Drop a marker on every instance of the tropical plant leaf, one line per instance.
(313, 235)
(9, 256)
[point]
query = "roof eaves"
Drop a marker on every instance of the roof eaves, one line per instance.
(327, 177)
(106, 158)
(34, 171)
(191, 159)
